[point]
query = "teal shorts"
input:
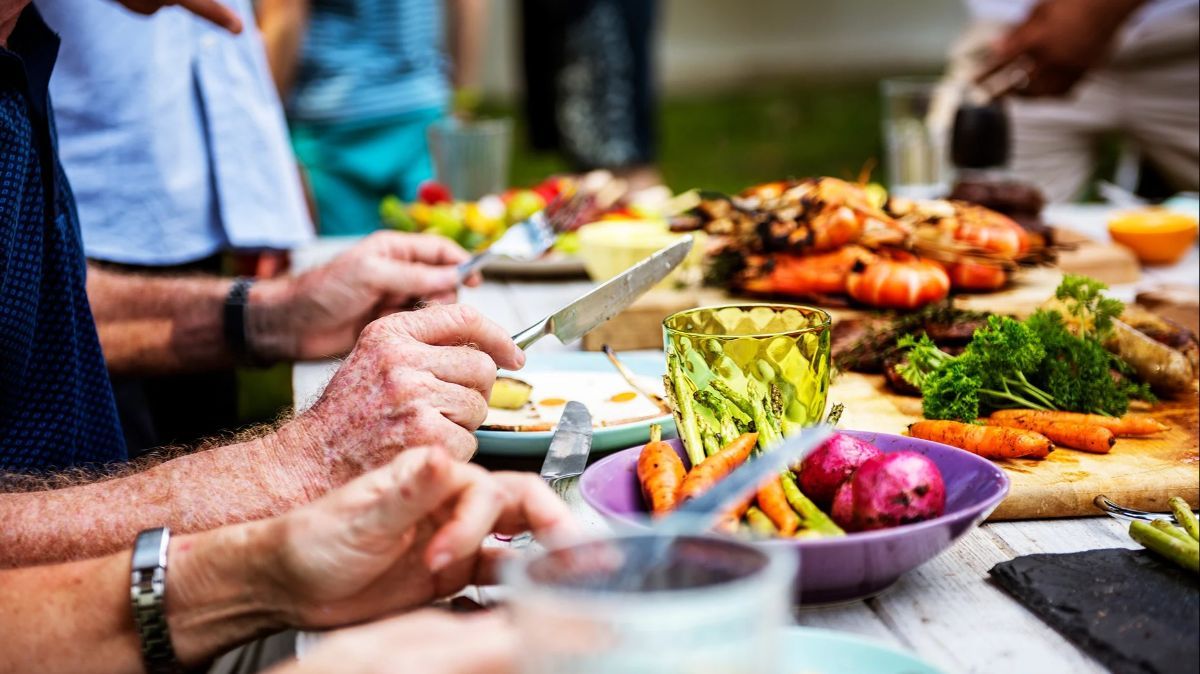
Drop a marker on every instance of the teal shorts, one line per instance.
(352, 167)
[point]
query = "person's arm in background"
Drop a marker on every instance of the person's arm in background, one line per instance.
(1058, 43)
(467, 39)
(283, 24)
(158, 325)
(392, 540)
(408, 382)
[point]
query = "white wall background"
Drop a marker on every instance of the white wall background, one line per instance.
(707, 44)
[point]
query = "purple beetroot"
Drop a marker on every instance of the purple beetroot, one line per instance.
(831, 465)
(842, 510)
(894, 489)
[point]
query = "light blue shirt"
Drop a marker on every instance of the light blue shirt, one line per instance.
(370, 60)
(171, 134)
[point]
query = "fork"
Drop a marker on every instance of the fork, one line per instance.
(530, 238)
(1120, 512)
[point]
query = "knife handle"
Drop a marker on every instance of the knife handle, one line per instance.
(533, 333)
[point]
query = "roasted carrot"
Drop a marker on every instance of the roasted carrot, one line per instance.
(991, 442)
(1130, 424)
(1085, 437)
(710, 471)
(660, 472)
(773, 502)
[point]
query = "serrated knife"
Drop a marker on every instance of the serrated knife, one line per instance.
(609, 299)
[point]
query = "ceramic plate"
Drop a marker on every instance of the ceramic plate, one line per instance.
(593, 372)
(813, 651)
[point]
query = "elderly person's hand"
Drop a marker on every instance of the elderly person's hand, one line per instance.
(392, 540)
(402, 536)
(319, 313)
(432, 642)
(415, 378)
(1058, 43)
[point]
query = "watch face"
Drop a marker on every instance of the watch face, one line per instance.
(150, 549)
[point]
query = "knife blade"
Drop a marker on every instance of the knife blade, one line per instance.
(579, 317)
(570, 445)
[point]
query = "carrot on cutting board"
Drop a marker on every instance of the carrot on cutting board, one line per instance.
(701, 478)
(1084, 437)
(990, 442)
(660, 472)
(1130, 424)
(773, 502)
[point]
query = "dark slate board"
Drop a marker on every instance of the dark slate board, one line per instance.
(1131, 610)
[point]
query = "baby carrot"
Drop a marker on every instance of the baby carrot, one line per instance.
(1085, 437)
(773, 502)
(660, 472)
(1130, 424)
(991, 442)
(702, 477)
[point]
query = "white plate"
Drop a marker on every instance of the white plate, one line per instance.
(586, 365)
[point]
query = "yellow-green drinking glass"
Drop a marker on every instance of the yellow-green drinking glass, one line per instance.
(783, 347)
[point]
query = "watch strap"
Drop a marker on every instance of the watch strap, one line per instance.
(147, 593)
(234, 316)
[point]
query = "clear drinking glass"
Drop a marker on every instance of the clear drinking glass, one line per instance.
(781, 351)
(471, 157)
(915, 132)
(651, 604)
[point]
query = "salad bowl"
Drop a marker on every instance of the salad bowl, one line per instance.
(844, 568)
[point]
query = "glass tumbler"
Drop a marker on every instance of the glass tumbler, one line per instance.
(471, 157)
(915, 133)
(776, 353)
(652, 604)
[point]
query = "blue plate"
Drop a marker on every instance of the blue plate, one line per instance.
(607, 439)
(808, 650)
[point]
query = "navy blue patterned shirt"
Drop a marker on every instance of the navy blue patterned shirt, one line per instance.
(56, 402)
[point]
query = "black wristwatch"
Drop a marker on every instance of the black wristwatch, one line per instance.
(235, 320)
(148, 588)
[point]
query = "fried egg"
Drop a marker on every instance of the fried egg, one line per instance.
(610, 400)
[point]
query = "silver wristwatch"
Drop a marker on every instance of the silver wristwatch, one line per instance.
(148, 587)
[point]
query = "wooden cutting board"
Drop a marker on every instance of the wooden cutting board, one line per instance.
(1140, 473)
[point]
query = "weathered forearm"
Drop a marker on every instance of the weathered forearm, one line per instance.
(151, 324)
(76, 618)
(164, 324)
(197, 492)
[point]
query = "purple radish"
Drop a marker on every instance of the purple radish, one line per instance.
(832, 464)
(842, 510)
(894, 489)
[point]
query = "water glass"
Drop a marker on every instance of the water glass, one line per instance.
(471, 157)
(776, 350)
(915, 132)
(652, 604)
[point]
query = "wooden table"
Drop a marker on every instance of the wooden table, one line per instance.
(946, 611)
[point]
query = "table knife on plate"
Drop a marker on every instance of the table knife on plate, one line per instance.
(570, 446)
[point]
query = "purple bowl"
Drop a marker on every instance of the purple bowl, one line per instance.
(857, 565)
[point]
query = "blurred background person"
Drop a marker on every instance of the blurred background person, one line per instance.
(1083, 69)
(362, 81)
(174, 142)
(588, 73)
